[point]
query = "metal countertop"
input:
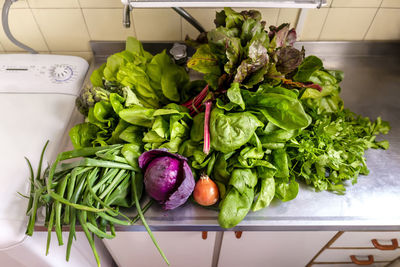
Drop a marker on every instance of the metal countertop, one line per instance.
(371, 87)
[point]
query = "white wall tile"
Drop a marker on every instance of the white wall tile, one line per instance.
(356, 3)
(101, 3)
(53, 3)
(24, 28)
(386, 25)
(347, 23)
(88, 56)
(205, 16)
(18, 4)
(390, 3)
(269, 15)
(63, 29)
(328, 3)
(106, 24)
(157, 24)
(314, 21)
(288, 15)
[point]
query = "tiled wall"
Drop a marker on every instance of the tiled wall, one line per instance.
(353, 20)
(66, 26)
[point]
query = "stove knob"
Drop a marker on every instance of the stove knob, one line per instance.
(62, 73)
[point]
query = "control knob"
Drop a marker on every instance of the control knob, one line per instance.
(62, 73)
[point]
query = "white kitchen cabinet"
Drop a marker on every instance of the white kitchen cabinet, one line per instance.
(263, 248)
(183, 249)
(277, 249)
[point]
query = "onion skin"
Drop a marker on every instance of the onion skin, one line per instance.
(206, 191)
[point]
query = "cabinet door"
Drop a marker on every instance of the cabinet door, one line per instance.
(278, 249)
(182, 249)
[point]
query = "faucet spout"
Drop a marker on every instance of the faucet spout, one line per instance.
(126, 18)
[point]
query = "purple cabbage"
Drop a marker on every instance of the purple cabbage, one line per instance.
(167, 177)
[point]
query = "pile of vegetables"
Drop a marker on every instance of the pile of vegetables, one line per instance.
(277, 117)
(263, 118)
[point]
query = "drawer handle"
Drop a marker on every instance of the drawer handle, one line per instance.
(393, 246)
(204, 235)
(361, 262)
(238, 234)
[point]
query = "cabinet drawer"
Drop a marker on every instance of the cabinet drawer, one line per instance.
(364, 239)
(343, 255)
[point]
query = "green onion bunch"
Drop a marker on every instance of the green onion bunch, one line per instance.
(88, 192)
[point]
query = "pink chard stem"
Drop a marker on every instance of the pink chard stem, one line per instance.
(195, 105)
(206, 147)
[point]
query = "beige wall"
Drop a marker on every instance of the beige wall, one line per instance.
(66, 26)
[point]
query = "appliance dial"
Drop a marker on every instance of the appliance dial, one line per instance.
(62, 73)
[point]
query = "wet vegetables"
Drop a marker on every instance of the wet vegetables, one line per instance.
(167, 177)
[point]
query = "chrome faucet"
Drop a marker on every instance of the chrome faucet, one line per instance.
(126, 18)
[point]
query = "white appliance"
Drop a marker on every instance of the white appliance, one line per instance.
(37, 99)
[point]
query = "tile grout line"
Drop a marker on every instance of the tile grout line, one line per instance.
(71, 7)
(297, 19)
(84, 19)
(40, 29)
(357, 7)
(300, 22)
(323, 24)
(277, 18)
(372, 21)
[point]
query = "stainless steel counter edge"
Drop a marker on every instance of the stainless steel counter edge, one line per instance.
(321, 226)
